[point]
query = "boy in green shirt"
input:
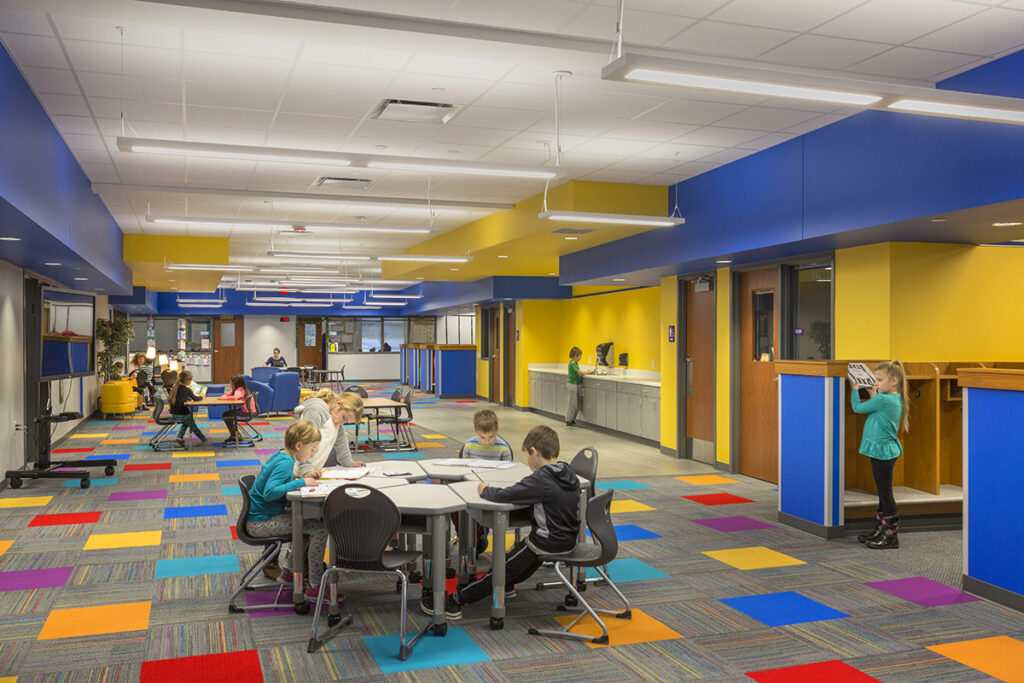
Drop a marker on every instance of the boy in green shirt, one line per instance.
(575, 383)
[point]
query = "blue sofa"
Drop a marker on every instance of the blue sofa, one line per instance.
(286, 392)
(264, 395)
(262, 374)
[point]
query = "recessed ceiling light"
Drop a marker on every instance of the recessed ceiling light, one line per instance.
(51, 263)
(419, 278)
(570, 238)
(81, 279)
(618, 279)
(1009, 224)
(381, 147)
(552, 273)
(938, 220)
(724, 261)
(10, 239)
(453, 269)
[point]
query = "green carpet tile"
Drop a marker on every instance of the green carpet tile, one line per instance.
(883, 635)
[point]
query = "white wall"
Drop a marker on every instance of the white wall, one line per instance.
(12, 365)
(362, 366)
(262, 334)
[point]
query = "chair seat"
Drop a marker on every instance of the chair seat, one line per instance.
(583, 555)
(393, 559)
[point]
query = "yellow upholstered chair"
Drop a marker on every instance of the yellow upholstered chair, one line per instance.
(117, 398)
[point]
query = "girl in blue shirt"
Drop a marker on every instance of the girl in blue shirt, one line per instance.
(888, 412)
(266, 501)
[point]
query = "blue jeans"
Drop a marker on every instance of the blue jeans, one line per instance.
(187, 422)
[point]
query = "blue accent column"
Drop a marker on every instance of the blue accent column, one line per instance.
(993, 443)
(403, 372)
(424, 365)
(456, 371)
(811, 436)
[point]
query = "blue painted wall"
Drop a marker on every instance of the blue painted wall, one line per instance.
(802, 435)
(60, 217)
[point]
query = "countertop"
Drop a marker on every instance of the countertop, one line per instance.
(647, 378)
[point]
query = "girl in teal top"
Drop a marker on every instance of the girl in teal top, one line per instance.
(887, 411)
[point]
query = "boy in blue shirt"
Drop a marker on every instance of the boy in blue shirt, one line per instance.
(486, 444)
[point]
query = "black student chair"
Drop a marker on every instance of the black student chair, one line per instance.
(584, 464)
(271, 548)
(596, 554)
(402, 424)
(163, 440)
(361, 521)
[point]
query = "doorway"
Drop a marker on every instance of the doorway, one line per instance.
(227, 349)
(699, 369)
(759, 397)
(495, 332)
(508, 362)
(310, 333)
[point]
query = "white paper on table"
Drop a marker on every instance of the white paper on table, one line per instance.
(474, 462)
(347, 473)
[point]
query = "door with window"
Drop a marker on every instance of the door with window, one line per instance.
(310, 333)
(699, 369)
(759, 397)
(227, 349)
(508, 360)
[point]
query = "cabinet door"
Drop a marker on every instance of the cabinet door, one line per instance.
(650, 427)
(548, 392)
(588, 402)
(561, 396)
(533, 390)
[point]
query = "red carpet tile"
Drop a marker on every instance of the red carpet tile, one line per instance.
(833, 672)
(234, 533)
(67, 518)
(717, 499)
(144, 467)
(72, 450)
(229, 667)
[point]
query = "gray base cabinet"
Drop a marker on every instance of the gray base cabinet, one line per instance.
(633, 409)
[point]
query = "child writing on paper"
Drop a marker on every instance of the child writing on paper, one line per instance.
(330, 412)
(575, 384)
(887, 410)
(266, 501)
(553, 489)
(489, 446)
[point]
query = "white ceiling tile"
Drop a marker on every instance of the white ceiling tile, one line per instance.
(912, 62)
(639, 28)
(577, 124)
(531, 141)
(58, 81)
(422, 88)
(35, 51)
(886, 21)
(226, 134)
(93, 156)
(686, 8)
(399, 130)
(91, 142)
(665, 179)
(150, 129)
(104, 31)
(242, 44)
(643, 165)
(533, 15)
(16, 21)
(231, 95)
(149, 62)
(369, 145)
(327, 126)
(136, 110)
(612, 176)
(766, 118)
(680, 152)
(693, 112)
(336, 81)
(335, 103)
(463, 67)
(814, 124)
(84, 125)
(224, 68)
(822, 52)
(64, 105)
(608, 104)
(991, 32)
(657, 131)
(613, 147)
(788, 15)
(719, 137)
(507, 155)
(346, 54)
(727, 156)
(452, 151)
(496, 117)
(695, 167)
(465, 135)
(229, 117)
(534, 73)
(728, 40)
(519, 96)
(769, 140)
(135, 87)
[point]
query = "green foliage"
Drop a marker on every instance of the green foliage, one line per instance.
(114, 334)
(821, 334)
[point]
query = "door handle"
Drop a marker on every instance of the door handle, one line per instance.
(689, 376)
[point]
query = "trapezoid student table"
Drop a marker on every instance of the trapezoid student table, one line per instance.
(425, 511)
(377, 405)
(218, 401)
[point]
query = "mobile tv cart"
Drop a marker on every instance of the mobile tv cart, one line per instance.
(44, 469)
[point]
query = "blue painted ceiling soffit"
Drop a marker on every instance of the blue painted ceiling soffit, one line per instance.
(140, 302)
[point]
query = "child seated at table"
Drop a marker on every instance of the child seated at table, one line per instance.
(267, 497)
(486, 444)
(245, 411)
(553, 491)
(181, 413)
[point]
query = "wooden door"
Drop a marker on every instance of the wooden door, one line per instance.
(495, 396)
(227, 348)
(700, 372)
(311, 341)
(759, 396)
(509, 359)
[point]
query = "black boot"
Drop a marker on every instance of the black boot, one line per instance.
(889, 537)
(864, 538)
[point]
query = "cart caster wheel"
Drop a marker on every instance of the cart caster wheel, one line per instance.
(302, 608)
(15, 483)
(441, 629)
(497, 623)
(235, 610)
(109, 471)
(571, 601)
(581, 586)
(84, 483)
(333, 619)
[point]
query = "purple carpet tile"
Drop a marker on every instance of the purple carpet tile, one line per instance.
(29, 579)
(922, 591)
(122, 496)
(258, 598)
(739, 523)
(265, 451)
(130, 427)
(280, 429)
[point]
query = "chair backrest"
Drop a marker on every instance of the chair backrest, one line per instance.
(599, 521)
(396, 395)
(168, 377)
(264, 395)
(286, 390)
(361, 522)
(262, 374)
(584, 464)
(158, 407)
(356, 389)
(245, 483)
(407, 400)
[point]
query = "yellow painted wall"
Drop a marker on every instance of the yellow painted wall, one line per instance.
(669, 304)
(723, 377)
(540, 341)
(483, 367)
(863, 301)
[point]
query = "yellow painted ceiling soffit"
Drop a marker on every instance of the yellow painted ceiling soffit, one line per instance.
(145, 255)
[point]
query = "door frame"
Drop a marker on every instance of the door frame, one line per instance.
(684, 444)
(508, 359)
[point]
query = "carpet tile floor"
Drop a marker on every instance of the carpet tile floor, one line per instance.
(129, 580)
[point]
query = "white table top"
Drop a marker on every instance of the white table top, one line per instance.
(411, 466)
(412, 499)
(466, 490)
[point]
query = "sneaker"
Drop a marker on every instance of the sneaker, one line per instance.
(272, 571)
(286, 577)
(179, 442)
(203, 440)
(452, 609)
(427, 604)
(510, 592)
(313, 594)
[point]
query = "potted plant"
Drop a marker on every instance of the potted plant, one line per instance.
(114, 334)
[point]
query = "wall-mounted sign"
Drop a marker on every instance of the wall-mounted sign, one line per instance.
(799, 332)
(671, 334)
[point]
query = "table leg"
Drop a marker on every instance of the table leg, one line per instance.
(298, 553)
(438, 565)
(465, 546)
(581, 575)
(499, 529)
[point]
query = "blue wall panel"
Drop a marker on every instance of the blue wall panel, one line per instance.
(802, 432)
(456, 372)
(838, 416)
(995, 480)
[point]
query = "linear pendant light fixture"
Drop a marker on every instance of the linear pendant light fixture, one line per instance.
(426, 259)
(610, 218)
(208, 222)
(301, 156)
(820, 86)
(316, 255)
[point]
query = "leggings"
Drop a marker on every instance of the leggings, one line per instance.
(280, 525)
(882, 471)
(187, 422)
